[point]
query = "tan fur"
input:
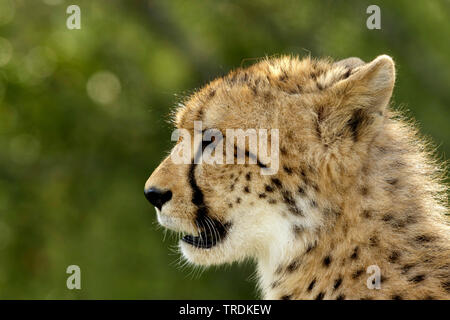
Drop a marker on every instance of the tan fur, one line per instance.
(368, 192)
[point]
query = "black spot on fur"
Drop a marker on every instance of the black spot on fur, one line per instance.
(393, 257)
(392, 181)
(407, 267)
(340, 297)
(311, 285)
(246, 189)
(354, 255)
(410, 219)
(397, 297)
(418, 278)
(387, 217)
(446, 286)
(268, 188)
(277, 182)
(355, 123)
(238, 200)
(283, 77)
(286, 297)
(357, 273)
(293, 266)
(337, 283)
(320, 296)
(316, 187)
(423, 238)
(272, 201)
(290, 203)
(327, 261)
(373, 241)
(248, 176)
(310, 247)
(364, 191)
(288, 170)
(262, 195)
(367, 214)
(320, 118)
(274, 284)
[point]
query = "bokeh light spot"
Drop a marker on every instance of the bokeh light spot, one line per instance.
(40, 62)
(6, 51)
(103, 87)
(7, 11)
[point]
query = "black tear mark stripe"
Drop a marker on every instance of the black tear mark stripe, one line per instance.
(198, 200)
(197, 195)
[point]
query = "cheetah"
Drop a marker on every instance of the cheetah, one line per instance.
(357, 186)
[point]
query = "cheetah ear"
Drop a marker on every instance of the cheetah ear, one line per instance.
(368, 86)
(362, 96)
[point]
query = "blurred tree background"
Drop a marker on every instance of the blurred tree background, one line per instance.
(83, 122)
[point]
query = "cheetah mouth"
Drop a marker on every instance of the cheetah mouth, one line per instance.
(213, 233)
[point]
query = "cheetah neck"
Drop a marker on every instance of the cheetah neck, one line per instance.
(389, 228)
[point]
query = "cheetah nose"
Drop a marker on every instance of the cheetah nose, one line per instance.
(157, 197)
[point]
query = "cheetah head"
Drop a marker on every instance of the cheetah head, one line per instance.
(324, 113)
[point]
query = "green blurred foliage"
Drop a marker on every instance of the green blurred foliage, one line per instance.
(83, 122)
